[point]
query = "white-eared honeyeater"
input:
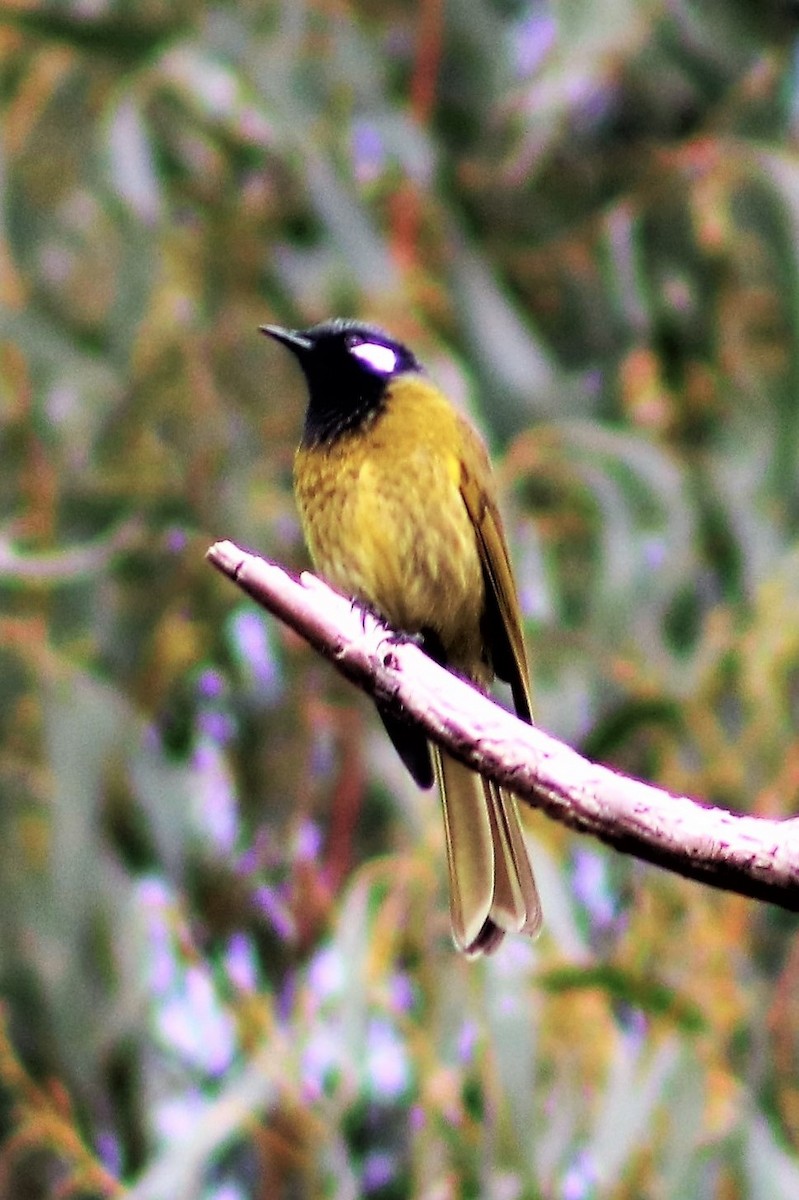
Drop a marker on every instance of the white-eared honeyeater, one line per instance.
(398, 506)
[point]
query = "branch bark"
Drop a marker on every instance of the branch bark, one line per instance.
(749, 855)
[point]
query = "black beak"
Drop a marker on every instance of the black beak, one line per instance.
(297, 342)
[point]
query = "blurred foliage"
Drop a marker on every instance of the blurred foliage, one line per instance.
(224, 954)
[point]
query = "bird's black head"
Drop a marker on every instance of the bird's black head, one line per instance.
(348, 367)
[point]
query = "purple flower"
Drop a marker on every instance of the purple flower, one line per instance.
(379, 1168)
(387, 1067)
(467, 1042)
(368, 152)
(250, 637)
(162, 966)
(176, 539)
(217, 808)
(193, 1024)
(326, 974)
(534, 39)
(590, 885)
(211, 684)
(109, 1151)
(402, 992)
(417, 1118)
(308, 842)
(240, 963)
(580, 1179)
(654, 553)
(273, 907)
(217, 726)
(321, 1063)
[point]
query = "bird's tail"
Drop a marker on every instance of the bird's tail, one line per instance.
(491, 884)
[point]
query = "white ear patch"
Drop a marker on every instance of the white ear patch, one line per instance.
(380, 359)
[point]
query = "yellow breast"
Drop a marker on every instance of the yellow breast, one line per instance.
(385, 521)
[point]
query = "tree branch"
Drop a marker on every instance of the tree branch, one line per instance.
(750, 855)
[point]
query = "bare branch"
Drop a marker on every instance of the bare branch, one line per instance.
(750, 855)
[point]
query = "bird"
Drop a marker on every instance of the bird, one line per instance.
(398, 507)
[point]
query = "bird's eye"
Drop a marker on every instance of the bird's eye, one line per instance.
(380, 359)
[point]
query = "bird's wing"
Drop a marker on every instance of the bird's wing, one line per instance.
(502, 621)
(515, 904)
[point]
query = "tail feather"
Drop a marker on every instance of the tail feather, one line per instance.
(470, 849)
(492, 889)
(528, 912)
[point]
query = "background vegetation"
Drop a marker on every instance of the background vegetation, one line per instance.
(224, 950)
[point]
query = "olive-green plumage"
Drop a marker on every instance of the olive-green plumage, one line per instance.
(397, 502)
